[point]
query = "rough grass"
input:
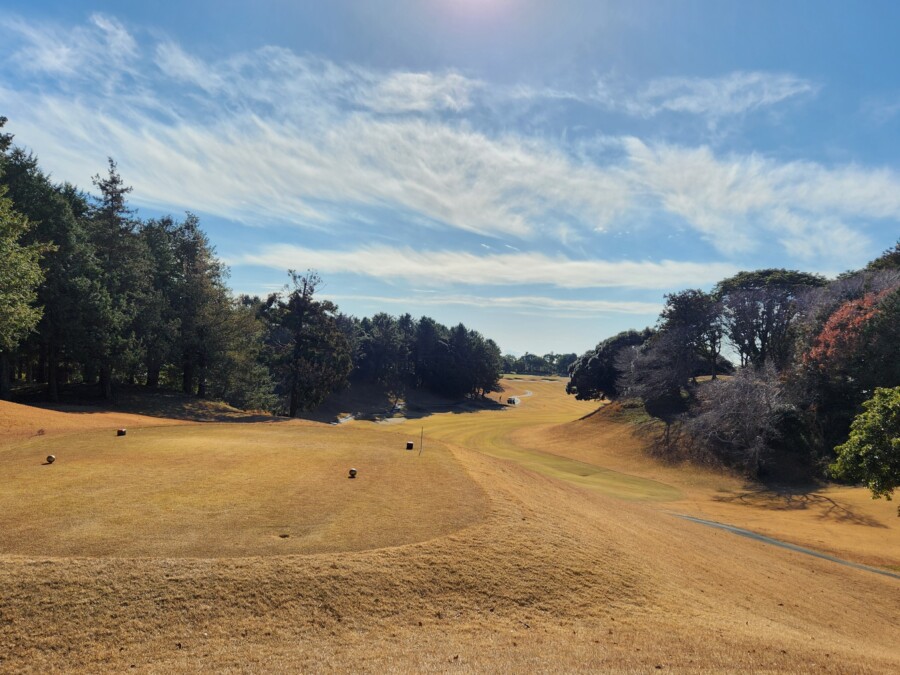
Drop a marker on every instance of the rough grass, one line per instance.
(840, 520)
(550, 577)
(21, 422)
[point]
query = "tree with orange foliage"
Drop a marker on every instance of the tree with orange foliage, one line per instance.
(839, 342)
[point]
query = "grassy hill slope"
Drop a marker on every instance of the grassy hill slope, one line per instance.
(554, 572)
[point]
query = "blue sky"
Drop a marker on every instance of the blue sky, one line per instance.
(542, 171)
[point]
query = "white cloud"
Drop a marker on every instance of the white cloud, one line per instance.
(101, 49)
(443, 268)
(270, 135)
(527, 303)
(420, 92)
(732, 94)
(740, 203)
(118, 41)
(826, 239)
(288, 82)
(880, 109)
(248, 167)
(181, 66)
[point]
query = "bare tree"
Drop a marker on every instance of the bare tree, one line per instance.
(738, 419)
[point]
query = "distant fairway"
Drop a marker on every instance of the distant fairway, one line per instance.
(228, 490)
(496, 434)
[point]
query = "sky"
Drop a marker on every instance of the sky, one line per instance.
(542, 171)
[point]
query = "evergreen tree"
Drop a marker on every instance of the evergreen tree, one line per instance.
(311, 356)
(760, 309)
(72, 294)
(871, 454)
(239, 374)
(158, 323)
(430, 353)
(595, 374)
(20, 275)
(697, 316)
(201, 302)
(124, 275)
(487, 365)
(383, 356)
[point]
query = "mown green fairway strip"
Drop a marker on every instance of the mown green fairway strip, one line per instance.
(607, 481)
(491, 432)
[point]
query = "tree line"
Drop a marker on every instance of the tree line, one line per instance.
(532, 364)
(811, 354)
(90, 294)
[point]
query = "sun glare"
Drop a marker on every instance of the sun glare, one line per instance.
(477, 8)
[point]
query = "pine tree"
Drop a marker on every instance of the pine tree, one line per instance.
(20, 275)
(311, 356)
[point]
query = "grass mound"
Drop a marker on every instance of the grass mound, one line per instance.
(228, 490)
(21, 422)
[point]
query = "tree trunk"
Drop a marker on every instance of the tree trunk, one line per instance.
(52, 378)
(90, 373)
(106, 381)
(5, 377)
(42, 364)
(201, 378)
(153, 375)
(295, 402)
(187, 378)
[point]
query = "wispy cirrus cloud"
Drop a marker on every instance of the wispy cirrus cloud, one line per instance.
(285, 82)
(447, 268)
(254, 169)
(420, 92)
(732, 94)
(740, 203)
(103, 44)
(881, 109)
(270, 135)
(542, 305)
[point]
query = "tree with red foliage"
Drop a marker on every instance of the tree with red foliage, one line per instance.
(839, 342)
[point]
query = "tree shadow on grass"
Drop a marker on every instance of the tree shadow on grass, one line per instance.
(160, 403)
(369, 403)
(372, 405)
(796, 498)
(415, 412)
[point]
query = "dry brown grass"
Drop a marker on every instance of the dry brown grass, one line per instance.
(555, 575)
(226, 490)
(21, 422)
(840, 520)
